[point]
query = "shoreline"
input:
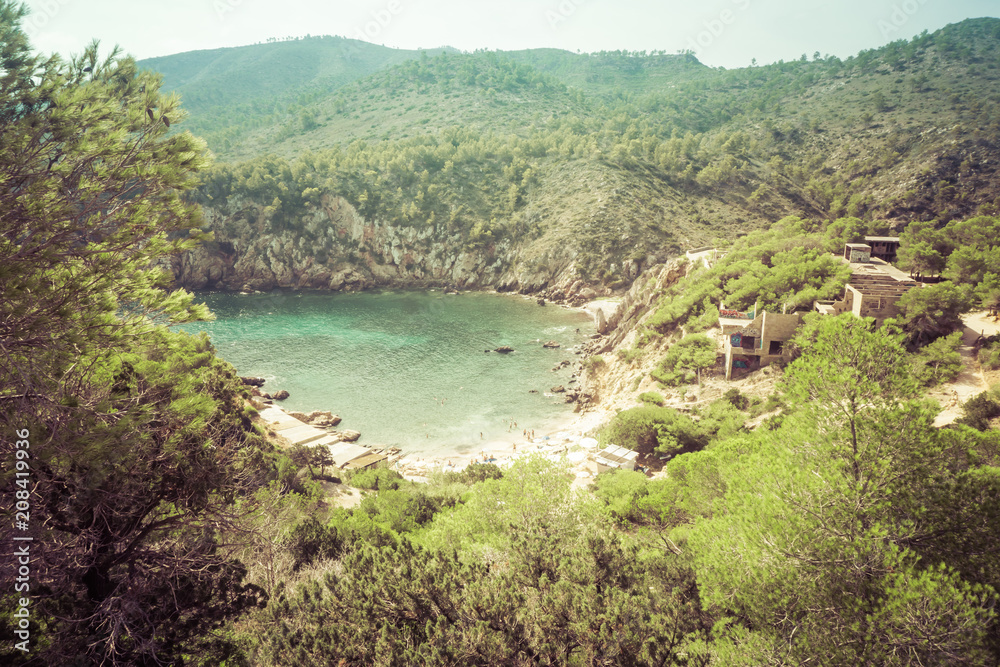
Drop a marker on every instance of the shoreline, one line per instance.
(561, 435)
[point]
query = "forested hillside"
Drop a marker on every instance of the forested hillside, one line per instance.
(587, 180)
(828, 522)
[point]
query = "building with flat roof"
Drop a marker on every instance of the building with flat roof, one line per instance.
(755, 339)
(883, 247)
(617, 458)
(873, 289)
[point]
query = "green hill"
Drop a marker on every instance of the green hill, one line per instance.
(606, 158)
(229, 90)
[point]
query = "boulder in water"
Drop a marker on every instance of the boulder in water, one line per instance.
(550, 344)
(281, 395)
(504, 349)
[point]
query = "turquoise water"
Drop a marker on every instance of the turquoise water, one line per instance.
(404, 368)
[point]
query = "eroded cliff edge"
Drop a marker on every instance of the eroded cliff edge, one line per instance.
(333, 247)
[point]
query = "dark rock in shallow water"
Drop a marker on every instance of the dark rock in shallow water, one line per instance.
(541, 302)
(252, 382)
(504, 349)
(551, 344)
(558, 389)
(281, 395)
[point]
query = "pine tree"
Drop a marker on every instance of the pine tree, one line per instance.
(139, 444)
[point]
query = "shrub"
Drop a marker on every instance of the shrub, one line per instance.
(989, 354)
(685, 359)
(981, 408)
(738, 400)
(594, 363)
(620, 491)
(474, 473)
(652, 397)
(757, 407)
(939, 361)
(721, 420)
(399, 510)
(649, 428)
(311, 541)
(376, 479)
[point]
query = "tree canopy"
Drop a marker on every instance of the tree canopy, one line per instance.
(139, 442)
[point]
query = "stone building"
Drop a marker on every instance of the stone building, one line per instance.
(883, 247)
(753, 339)
(873, 289)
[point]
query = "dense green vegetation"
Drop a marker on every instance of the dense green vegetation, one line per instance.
(785, 268)
(134, 451)
(853, 530)
(539, 145)
(168, 531)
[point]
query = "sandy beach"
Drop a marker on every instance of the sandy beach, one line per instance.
(563, 436)
(568, 439)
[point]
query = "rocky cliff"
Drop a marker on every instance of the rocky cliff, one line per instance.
(331, 246)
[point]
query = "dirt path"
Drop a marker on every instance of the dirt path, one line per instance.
(971, 380)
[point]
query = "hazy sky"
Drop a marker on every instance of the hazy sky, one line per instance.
(725, 33)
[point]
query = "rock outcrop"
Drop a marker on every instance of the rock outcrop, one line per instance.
(332, 246)
(320, 418)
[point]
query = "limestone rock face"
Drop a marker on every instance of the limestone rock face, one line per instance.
(602, 322)
(332, 246)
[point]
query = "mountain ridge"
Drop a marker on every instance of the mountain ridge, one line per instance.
(486, 147)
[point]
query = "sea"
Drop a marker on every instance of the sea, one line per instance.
(411, 369)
